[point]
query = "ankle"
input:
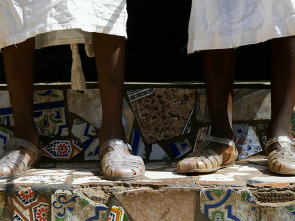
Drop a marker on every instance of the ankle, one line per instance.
(27, 133)
(275, 130)
(222, 132)
(108, 133)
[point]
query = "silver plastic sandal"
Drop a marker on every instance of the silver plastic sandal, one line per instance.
(283, 161)
(205, 160)
(117, 164)
(15, 164)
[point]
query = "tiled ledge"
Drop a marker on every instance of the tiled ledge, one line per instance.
(77, 191)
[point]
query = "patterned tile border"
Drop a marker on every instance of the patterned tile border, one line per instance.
(228, 204)
(82, 131)
(118, 214)
(71, 206)
(62, 149)
(27, 206)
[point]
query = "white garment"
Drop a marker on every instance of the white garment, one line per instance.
(63, 21)
(217, 24)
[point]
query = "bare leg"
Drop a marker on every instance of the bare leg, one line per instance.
(282, 89)
(110, 61)
(219, 69)
(19, 69)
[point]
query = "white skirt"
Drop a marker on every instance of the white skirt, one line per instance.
(220, 24)
(56, 22)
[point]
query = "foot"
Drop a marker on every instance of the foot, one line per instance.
(223, 150)
(276, 132)
(205, 159)
(28, 155)
(280, 150)
(117, 163)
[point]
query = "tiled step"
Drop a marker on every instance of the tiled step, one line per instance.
(76, 191)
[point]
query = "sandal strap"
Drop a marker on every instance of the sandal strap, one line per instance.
(279, 139)
(114, 142)
(14, 143)
(219, 140)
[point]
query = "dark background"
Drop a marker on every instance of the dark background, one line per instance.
(156, 50)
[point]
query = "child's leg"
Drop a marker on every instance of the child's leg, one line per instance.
(19, 70)
(117, 163)
(219, 70)
(110, 57)
(282, 89)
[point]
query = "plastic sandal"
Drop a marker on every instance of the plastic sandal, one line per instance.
(117, 164)
(283, 161)
(16, 164)
(205, 160)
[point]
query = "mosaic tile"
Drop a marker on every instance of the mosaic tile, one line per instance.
(158, 153)
(82, 131)
(49, 113)
(202, 110)
(127, 119)
(201, 132)
(246, 140)
(137, 145)
(5, 135)
(272, 213)
(45, 179)
(162, 113)
(180, 148)
(6, 117)
(293, 123)
(70, 206)
(27, 206)
(251, 104)
(228, 204)
(118, 214)
(262, 131)
(62, 149)
(86, 104)
(91, 149)
(248, 104)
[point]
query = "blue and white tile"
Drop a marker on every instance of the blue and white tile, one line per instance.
(62, 149)
(247, 142)
(5, 135)
(83, 131)
(70, 206)
(49, 113)
(180, 148)
(137, 144)
(6, 117)
(91, 149)
(158, 153)
(228, 204)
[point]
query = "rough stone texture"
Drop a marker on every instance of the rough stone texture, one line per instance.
(251, 104)
(172, 204)
(248, 105)
(162, 113)
(86, 104)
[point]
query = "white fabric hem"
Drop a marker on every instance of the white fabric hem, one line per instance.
(21, 37)
(211, 42)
